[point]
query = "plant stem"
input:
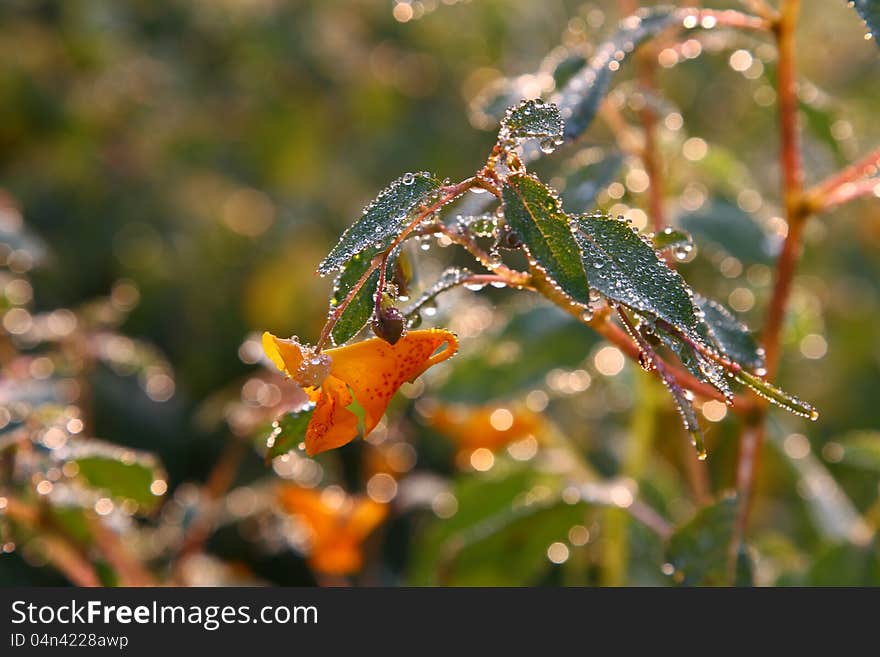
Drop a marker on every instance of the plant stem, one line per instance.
(797, 212)
(863, 167)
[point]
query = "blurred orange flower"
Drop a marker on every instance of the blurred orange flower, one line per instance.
(369, 372)
(491, 426)
(337, 523)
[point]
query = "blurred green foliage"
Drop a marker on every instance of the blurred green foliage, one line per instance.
(211, 153)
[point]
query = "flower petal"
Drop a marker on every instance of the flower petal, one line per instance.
(332, 424)
(375, 370)
(285, 354)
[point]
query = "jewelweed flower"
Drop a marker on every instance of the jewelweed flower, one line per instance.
(367, 372)
(336, 524)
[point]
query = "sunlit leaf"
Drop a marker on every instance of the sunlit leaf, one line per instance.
(288, 431)
(777, 396)
(383, 219)
(534, 211)
(579, 99)
(699, 549)
(624, 268)
(532, 119)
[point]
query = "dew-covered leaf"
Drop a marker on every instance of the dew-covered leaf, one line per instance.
(579, 99)
(672, 238)
(357, 312)
(777, 396)
(383, 219)
(697, 364)
(624, 268)
(288, 431)
(869, 10)
(534, 211)
(587, 180)
(698, 550)
(730, 230)
(532, 119)
(119, 473)
(729, 335)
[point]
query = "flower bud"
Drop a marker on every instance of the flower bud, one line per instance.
(389, 324)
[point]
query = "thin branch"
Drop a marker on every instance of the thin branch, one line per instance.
(849, 191)
(797, 212)
(869, 165)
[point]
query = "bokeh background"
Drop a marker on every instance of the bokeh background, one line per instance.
(195, 161)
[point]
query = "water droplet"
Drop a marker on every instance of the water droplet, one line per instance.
(408, 179)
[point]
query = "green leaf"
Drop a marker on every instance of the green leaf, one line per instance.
(697, 364)
(777, 396)
(699, 549)
(532, 119)
(121, 474)
(383, 219)
(587, 180)
(514, 360)
(672, 238)
(357, 313)
(624, 268)
(579, 99)
(288, 431)
(534, 211)
(847, 565)
(869, 10)
(567, 67)
(728, 229)
(730, 336)
(496, 538)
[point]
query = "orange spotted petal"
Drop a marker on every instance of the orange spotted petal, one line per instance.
(375, 370)
(332, 424)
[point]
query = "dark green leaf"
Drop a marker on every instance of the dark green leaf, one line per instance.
(357, 313)
(672, 238)
(532, 119)
(579, 99)
(534, 211)
(624, 268)
(730, 336)
(869, 10)
(727, 228)
(121, 474)
(699, 549)
(697, 364)
(288, 431)
(383, 219)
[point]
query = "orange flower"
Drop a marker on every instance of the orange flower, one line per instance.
(369, 372)
(337, 525)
